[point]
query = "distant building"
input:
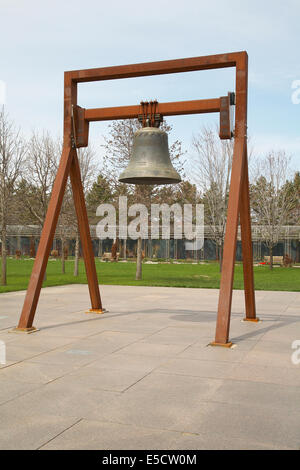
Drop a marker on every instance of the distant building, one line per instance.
(26, 238)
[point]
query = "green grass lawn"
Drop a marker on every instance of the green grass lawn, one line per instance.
(168, 275)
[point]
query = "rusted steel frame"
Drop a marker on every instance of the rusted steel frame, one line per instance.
(157, 68)
(165, 109)
(245, 222)
(40, 263)
(239, 60)
(84, 231)
(237, 177)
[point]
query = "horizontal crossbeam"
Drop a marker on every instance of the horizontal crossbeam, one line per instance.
(156, 68)
(165, 109)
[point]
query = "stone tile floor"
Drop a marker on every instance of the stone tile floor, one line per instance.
(142, 376)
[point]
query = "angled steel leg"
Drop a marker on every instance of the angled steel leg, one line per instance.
(40, 263)
(238, 201)
(85, 236)
(225, 296)
(245, 222)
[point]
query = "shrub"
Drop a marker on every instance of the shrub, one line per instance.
(54, 253)
(287, 261)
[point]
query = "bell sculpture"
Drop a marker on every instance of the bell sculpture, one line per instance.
(150, 160)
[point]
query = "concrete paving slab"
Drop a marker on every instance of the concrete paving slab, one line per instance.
(198, 368)
(268, 426)
(13, 388)
(7, 364)
(209, 353)
(161, 401)
(37, 373)
(259, 395)
(175, 336)
(94, 435)
(56, 398)
(266, 374)
(34, 432)
(116, 380)
(67, 356)
(142, 375)
(121, 361)
(146, 348)
(214, 441)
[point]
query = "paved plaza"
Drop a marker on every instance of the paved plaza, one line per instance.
(142, 376)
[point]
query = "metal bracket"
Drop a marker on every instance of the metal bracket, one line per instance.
(80, 128)
(158, 119)
(227, 104)
(149, 116)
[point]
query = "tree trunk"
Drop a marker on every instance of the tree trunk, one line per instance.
(271, 257)
(138, 276)
(4, 253)
(63, 264)
(100, 249)
(76, 255)
(220, 257)
(124, 249)
(114, 250)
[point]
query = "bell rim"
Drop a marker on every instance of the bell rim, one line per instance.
(150, 180)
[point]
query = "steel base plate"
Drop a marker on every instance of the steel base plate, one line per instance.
(223, 345)
(98, 311)
(254, 320)
(32, 329)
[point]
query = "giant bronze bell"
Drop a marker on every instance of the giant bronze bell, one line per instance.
(150, 160)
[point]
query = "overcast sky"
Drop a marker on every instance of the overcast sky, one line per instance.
(41, 39)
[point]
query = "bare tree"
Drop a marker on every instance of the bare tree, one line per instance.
(271, 197)
(211, 173)
(12, 155)
(35, 188)
(88, 169)
(40, 170)
(66, 225)
(38, 177)
(118, 149)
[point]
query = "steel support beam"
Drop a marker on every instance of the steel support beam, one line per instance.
(165, 109)
(164, 67)
(247, 246)
(40, 263)
(85, 236)
(238, 202)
